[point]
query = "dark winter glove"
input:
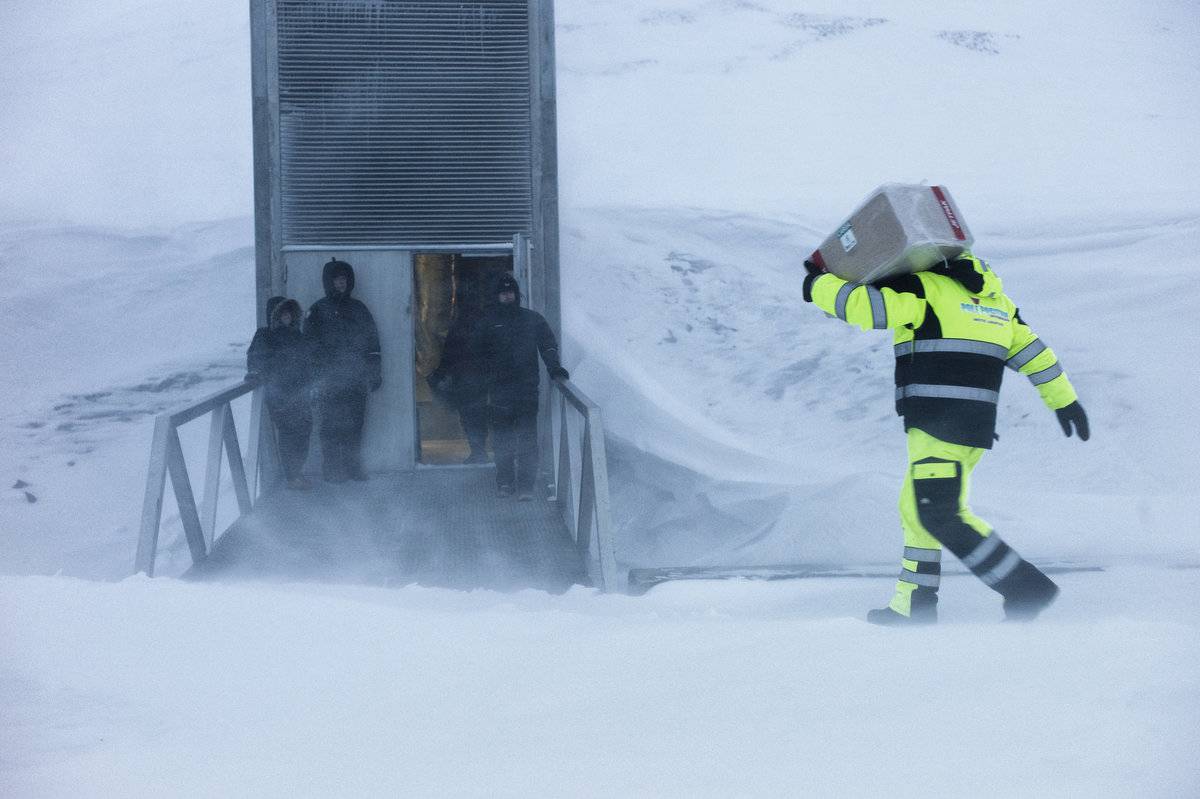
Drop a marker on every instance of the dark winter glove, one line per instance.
(376, 382)
(559, 373)
(253, 377)
(1073, 414)
(814, 272)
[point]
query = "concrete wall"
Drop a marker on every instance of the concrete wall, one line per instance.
(383, 280)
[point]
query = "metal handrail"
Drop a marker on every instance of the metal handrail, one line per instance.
(166, 458)
(581, 487)
(588, 518)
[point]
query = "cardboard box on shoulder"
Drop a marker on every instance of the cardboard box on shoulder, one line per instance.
(899, 229)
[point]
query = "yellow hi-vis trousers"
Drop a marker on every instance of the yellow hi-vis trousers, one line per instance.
(934, 513)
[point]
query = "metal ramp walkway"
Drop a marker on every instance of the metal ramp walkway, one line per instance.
(433, 527)
(442, 527)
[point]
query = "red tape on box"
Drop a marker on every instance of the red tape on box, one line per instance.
(949, 212)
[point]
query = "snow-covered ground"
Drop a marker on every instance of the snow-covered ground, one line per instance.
(705, 147)
(161, 688)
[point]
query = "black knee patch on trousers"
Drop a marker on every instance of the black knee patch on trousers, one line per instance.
(937, 508)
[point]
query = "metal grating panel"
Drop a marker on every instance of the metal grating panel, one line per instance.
(404, 121)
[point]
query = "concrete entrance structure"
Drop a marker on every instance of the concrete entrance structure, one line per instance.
(384, 130)
(411, 139)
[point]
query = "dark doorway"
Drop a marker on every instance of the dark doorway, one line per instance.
(450, 294)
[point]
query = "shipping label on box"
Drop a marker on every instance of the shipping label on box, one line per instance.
(898, 229)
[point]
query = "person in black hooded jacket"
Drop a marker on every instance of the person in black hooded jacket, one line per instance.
(345, 344)
(509, 339)
(280, 359)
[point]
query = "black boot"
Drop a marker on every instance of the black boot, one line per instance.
(1027, 592)
(922, 610)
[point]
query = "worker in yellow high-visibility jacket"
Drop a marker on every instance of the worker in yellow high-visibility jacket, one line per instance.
(954, 332)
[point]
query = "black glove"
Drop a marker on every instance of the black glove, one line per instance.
(1073, 413)
(814, 272)
(559, 373)
(376, 382)
(253, 377)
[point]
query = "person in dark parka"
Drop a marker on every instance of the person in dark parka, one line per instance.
(345, 344)
(510, 338)
(280, 359)
(461, 378)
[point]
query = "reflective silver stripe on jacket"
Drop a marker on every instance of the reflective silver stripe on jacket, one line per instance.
(1001, 569)
(948, 392)
(878, 308)
(1046, 375)
(927, 580)
(922, 555)
(951, 345)
(843, 297)
(1027, 354)
(981, 551)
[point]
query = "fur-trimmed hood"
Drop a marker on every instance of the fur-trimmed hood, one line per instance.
(285, 306)
(272, 304)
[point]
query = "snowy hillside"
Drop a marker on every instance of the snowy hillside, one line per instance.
(705, 147)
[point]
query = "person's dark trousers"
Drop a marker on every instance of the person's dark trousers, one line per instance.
(343, 412)
(514, 443)
(474, 420)
(293, 429)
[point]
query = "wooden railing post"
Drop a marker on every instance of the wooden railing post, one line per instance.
(184, 498)
(254, 436)
(565, 493)
(212, 474)
(166, 459)
(605, 546)
(591, 520)
(237, 470)
(260, 471)
(156, 483)
(583, 537)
